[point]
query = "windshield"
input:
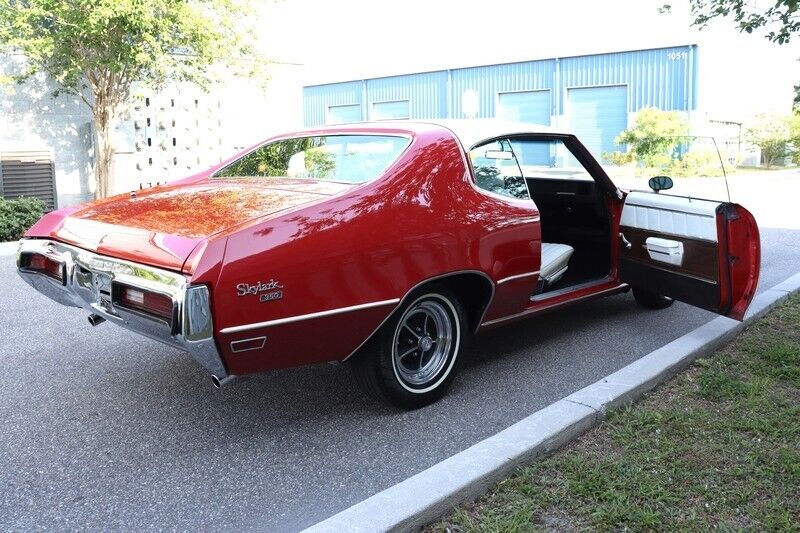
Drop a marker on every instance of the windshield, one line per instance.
(341, 158)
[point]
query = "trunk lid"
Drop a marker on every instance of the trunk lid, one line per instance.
(161, 226)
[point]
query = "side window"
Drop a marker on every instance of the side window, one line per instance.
(497, 170)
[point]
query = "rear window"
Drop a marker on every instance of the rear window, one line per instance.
(341, 158)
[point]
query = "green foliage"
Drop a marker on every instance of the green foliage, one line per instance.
(16, 216)
(618, 158)
(695, 162)
(771, 133)
(319, 163)
(794, 133)
(269, 160)
(654, 135)
(779, 18)
(110, 44)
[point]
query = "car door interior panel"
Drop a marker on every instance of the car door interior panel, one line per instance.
(679, 247)
(671, 215)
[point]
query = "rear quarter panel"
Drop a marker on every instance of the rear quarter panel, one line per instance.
(422, 219)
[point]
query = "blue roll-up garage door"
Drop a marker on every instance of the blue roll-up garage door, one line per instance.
(597, 115)
(527, 106)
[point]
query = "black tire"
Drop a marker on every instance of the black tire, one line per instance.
(384, 367)
(650, 299)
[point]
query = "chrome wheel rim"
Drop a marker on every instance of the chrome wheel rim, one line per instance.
(422, 342)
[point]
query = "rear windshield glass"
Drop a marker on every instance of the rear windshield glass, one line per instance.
(342, 158)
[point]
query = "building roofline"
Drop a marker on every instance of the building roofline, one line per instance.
(466, 67)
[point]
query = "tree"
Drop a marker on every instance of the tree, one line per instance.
(653, 135)
(780, 20)
(771, 133)
(98, 49)
(794, 134)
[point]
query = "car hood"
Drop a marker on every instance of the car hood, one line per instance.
(161, 226)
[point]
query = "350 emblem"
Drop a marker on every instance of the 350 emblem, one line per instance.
(266, 291)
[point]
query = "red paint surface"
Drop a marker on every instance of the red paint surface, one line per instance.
(744, 258)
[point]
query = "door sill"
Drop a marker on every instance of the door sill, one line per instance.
(543, 297)
(605, 286)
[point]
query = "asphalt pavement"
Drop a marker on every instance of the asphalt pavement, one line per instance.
(106, 430)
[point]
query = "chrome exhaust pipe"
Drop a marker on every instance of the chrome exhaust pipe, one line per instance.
(218, 382)
(95, 319)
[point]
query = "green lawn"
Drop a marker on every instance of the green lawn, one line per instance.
(718, 447)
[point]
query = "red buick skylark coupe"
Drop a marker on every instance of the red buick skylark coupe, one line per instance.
(386, 245)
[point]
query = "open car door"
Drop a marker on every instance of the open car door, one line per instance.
(702, 252)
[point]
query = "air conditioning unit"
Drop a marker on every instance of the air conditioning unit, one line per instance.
(29, 173)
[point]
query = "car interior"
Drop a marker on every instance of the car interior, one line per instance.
(576, 231)
(575, 224)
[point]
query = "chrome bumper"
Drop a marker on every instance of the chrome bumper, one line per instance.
(88, 282)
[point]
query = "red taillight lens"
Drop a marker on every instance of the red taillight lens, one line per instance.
(44, 265)
(152, 303)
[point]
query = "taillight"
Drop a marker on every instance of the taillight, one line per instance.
(44, 265)
(148, 302)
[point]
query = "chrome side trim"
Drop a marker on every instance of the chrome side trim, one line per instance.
(518, 276)
(310, 316)
(89, 284)
(415, 287)
(617, 288)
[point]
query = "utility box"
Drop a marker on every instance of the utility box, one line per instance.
(29, 173)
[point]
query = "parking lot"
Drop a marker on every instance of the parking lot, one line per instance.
(103, 429)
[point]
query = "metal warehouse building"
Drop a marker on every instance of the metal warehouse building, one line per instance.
(592, 95)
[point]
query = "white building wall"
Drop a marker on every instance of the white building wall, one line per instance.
(189, 129)
(32, 119)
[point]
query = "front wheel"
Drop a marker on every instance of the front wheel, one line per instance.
(650, 299)
(412, 360)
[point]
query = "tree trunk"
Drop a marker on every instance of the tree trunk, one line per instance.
(104, 152)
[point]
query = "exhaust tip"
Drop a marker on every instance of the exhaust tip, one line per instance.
(218, 382)
(95, 319)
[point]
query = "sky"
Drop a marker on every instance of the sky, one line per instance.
(354, 39)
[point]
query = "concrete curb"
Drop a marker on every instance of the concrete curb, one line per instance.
(8, 248)
(427, 496)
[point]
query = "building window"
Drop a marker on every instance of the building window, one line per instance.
(397, 110)
(343, 114)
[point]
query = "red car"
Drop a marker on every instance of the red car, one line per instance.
(386, 245)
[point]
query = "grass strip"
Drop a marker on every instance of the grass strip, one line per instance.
(717, 447)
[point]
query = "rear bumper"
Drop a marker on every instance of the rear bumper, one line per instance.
(89, 280)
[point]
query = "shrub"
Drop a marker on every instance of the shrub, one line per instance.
(696, 162)
(618, 158)
(16, 216)
(654, 134)
(771, 133)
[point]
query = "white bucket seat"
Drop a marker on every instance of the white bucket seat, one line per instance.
(555, 259)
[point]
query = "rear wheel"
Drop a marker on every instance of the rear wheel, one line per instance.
(412, 360)
(651, 300)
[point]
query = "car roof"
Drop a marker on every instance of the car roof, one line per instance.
(469, 132)
(472, 131)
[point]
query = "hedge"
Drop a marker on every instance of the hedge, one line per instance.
(17, 215)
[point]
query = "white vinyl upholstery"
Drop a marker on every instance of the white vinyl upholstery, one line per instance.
(674, 215)
(555, 258)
